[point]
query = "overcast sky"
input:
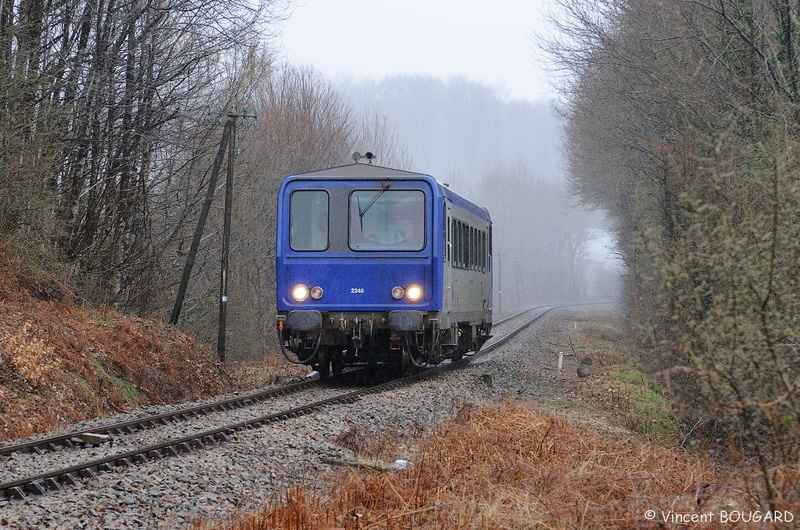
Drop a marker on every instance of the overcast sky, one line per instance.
(486, 41)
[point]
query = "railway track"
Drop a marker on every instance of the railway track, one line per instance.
(91, 437)
(56, 480)
(82, 438)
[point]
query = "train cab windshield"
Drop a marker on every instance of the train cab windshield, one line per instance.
(387, 219)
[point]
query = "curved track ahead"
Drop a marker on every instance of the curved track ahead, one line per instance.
(56, 480)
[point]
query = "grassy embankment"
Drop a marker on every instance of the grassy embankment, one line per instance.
(61, 362)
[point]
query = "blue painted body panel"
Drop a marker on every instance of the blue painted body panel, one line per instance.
(356, 281)
(358, 284)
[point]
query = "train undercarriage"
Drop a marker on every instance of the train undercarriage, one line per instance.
(345, 341)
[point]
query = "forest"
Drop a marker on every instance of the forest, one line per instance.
(681, 124)
(116, 116)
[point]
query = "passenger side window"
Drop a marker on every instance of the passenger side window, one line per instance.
(308, 220)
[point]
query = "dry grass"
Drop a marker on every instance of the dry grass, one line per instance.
(61, 363)
(512, 468)
(272, 369)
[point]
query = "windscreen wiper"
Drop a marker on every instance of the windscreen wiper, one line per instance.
(363, 212)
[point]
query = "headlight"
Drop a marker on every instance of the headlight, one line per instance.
(414, 293)
(300, 292)
(316, 292)
(398, 293)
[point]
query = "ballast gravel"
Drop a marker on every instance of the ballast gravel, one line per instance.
(244, 473)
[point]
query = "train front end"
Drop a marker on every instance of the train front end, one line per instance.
(356, 266)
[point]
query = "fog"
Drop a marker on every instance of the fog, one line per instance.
(459, 129)
(503, 154)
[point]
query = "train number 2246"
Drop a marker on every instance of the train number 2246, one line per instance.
(357, 290)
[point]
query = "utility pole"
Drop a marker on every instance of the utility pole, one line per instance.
(230, 119)
(233, 115)
(198, 232)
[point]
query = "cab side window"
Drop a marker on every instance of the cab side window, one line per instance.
(308, 220)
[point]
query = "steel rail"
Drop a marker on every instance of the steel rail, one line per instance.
(54, 481)
(72, 439)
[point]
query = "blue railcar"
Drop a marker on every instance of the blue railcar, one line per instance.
(378, 266)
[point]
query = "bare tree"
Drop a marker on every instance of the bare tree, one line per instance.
(681, 123)
(94, 96)
(303, 124)
(540, 242)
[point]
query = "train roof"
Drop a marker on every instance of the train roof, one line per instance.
(361, 170)
(369, 171)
